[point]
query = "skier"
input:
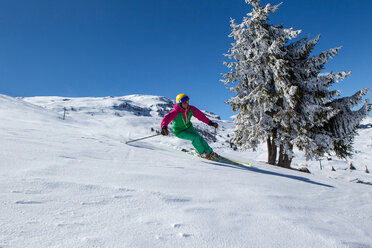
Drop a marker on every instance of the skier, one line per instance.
(182, 127)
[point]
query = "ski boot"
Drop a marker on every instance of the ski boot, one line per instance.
(210, 156)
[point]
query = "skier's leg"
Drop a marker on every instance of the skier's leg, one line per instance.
(198, 142)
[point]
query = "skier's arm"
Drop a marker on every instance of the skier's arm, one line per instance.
(199, 115)
(168, 118)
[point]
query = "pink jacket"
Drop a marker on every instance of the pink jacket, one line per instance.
(187, 114)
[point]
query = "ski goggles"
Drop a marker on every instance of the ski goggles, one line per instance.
(184, 99)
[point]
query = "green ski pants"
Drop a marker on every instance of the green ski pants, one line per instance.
(197, 141)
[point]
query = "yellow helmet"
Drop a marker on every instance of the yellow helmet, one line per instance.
(182, 98)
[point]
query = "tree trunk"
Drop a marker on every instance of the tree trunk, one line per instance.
(284, 160)
(272, 150)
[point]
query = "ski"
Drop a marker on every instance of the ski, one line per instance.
(232, 161)
(239, 162)
(220, 159)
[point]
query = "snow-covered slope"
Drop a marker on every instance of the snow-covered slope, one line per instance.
(75, 183)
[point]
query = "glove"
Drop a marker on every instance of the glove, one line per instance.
(164, 131)
(213, 124)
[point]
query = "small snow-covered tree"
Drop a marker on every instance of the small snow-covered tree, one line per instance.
(342, 126)
(317, 114)
(281, 95)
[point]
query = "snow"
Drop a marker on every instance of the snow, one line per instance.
(75, 183)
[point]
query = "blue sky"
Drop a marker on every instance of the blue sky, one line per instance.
(112, 48)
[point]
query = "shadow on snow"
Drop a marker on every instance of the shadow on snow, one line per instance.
(239, 166)
(266, 172)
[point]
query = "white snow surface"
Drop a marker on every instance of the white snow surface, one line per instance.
(75, 183)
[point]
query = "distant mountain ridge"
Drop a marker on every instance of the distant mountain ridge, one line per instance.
(146, 106)
(138, 105)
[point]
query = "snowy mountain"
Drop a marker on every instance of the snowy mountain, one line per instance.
(139, 105)
(75, 183)
(127, 106)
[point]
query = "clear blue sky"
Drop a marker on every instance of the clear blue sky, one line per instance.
(165, 47)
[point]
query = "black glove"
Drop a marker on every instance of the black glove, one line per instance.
(164, 131)
(213, 124)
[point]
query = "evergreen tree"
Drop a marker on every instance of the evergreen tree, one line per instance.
(257, 46)
(319, 121)
(282, 97)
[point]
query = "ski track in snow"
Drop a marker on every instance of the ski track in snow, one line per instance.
(77, 184)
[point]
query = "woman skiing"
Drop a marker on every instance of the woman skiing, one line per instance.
(182, 127)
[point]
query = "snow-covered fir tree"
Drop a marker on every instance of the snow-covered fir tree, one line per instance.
(319, 121)
(282, 96)
(256, 46)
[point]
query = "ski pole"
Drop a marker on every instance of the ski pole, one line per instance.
(127, 142)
